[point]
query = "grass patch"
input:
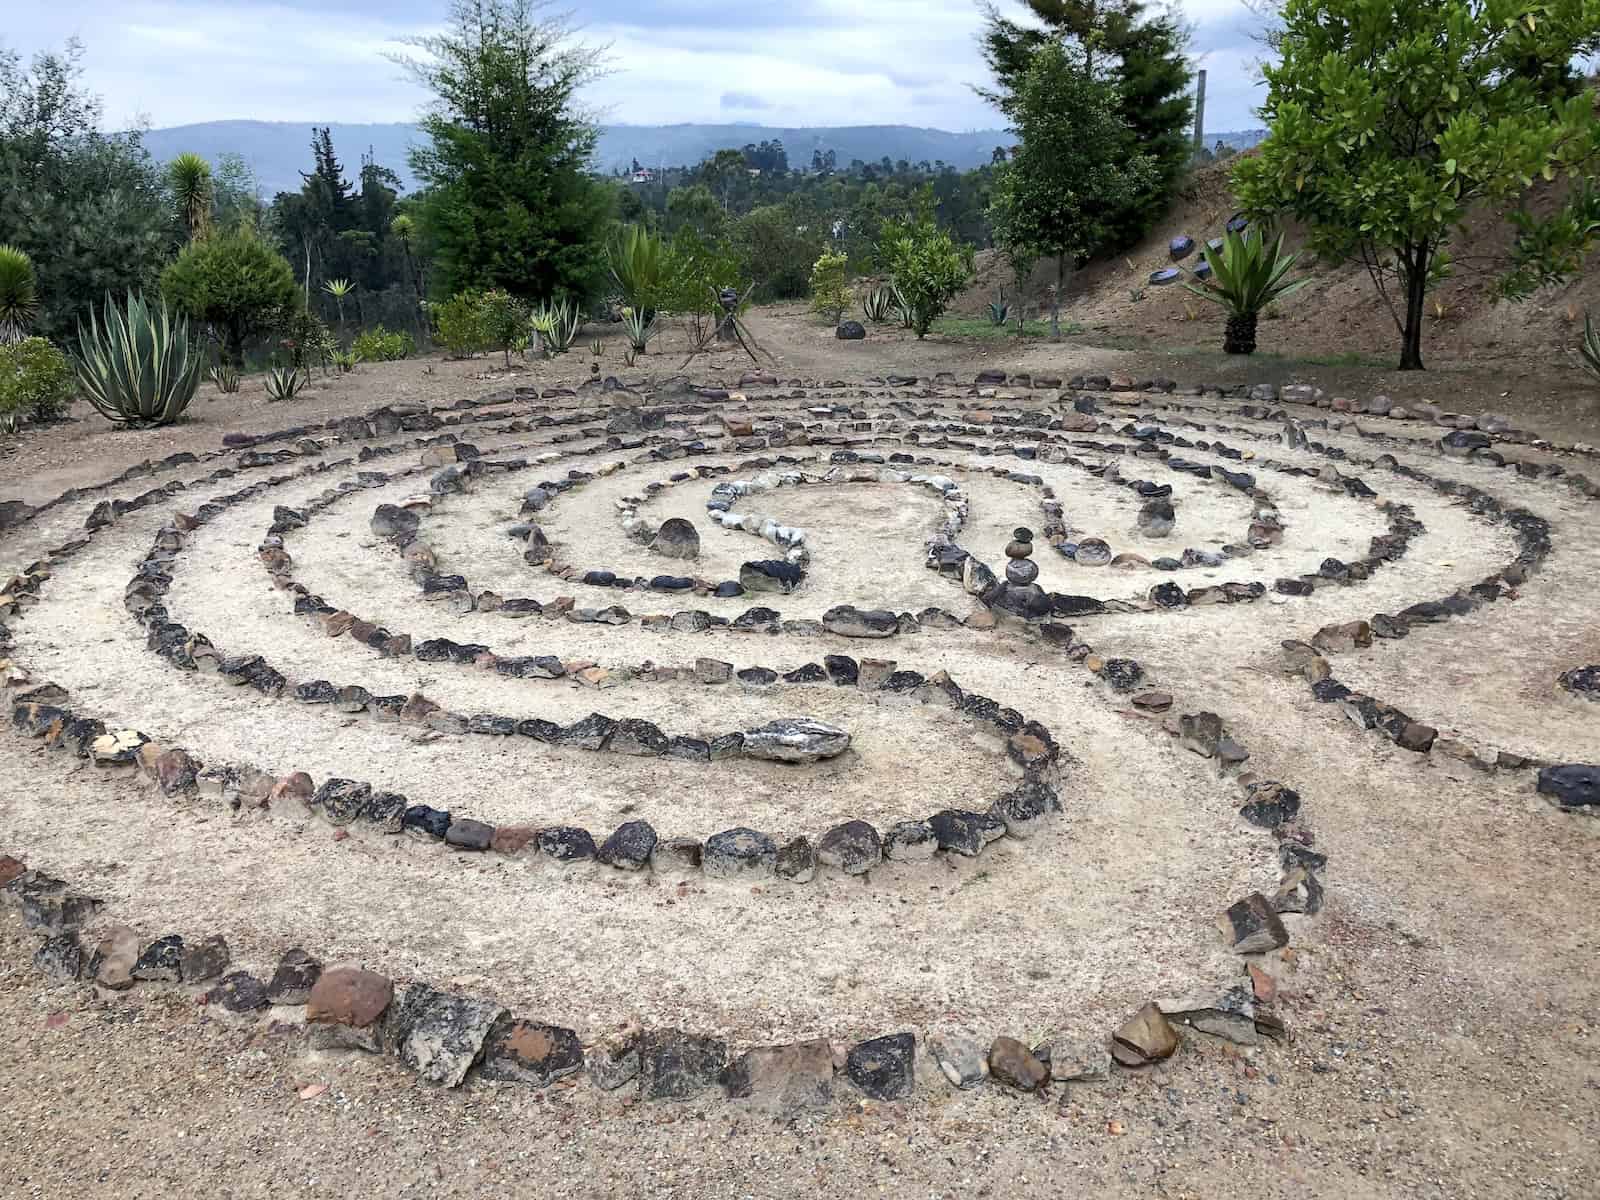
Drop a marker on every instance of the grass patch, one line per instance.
(983, 329)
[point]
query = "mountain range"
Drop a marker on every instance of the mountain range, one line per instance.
(278, 151)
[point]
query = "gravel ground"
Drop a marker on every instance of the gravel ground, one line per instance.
(1443, 1004)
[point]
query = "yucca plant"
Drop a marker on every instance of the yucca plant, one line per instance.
(636, 258)
(226, 377)
(878, 304)
(19, 295)
(137, 367)
(339, 289)
(345, 360)
(284, 383)
(640, 328)
(190, 177)
(1589, 348)
(1246, 276)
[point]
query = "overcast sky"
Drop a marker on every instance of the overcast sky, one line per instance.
(775, 62)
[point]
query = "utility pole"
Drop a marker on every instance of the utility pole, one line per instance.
(1199, 112)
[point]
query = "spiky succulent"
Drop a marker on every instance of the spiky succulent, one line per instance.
(640, 328)
(284, 383)
(557, 325)
(1247, 274)
(1590, 347)
(226, 377)
(878, 304)
(137, 365)
(190, 177)
(19, 295)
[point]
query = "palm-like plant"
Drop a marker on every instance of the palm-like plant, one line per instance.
(138, 367)
(636, 259)
(1589, 348)
(19, 295)
(339, 289)
(190, 177)
(1246, 276)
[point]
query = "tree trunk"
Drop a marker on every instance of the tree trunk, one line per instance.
(1416, 296)
(1055, 299)
(1239, 334)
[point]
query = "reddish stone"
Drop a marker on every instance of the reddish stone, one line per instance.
(348, 996)
(10, 868)
(175, 772)
(295, 787)
(512, 839)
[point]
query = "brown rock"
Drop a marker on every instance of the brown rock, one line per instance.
(10, 868)
(512, 839)
(1252, 926)
(338, 623)
(175, 772)
(346, 1007)
(114, 958)
(292, 788)
(783, 1079)
(1144, 1038)
(1264, 986)
(1153, 701)
(1014, 1064)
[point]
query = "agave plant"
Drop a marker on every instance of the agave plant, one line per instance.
(1246, 276)
(226, 377)
(190, 177)
(636, 258)
(558, 325)
(878, 304)
(597, 347)
(1589, 348)
(137, 367)
(640, 328)
(903, 308)
(284, 383)
(19, 296)
(999, 310)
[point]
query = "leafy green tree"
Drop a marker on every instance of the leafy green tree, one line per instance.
(235, 283)
(510, 202)
(830, 286)
(1389, 121)
(1143, 56)
(777, 250)
(89, 209)
(929, 267)
(1074, 172)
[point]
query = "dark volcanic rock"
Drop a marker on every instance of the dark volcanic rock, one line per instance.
(674, 1065)
(629, 847)
(883, 1067)
(853, 847)
(528, 1052)
(1571, 785)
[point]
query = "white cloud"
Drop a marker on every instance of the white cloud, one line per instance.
(806, 62)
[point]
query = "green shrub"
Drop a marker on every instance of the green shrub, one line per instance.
(139, 367)
(35, 380)
(301, 336)
(929, 268)
(233, 282)
(694, 270)
(379, 345)
(505, 321)
(460, 325)
(830, 289)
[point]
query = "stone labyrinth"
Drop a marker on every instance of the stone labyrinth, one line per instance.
(808, 739)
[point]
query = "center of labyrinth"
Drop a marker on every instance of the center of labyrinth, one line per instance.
(738, 741)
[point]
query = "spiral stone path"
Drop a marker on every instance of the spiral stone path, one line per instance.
(809, 739)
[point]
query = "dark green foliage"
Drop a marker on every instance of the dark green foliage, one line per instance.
(1071, 179)
(90, 210)
(778, 249)
(1389, 122)
(1143, 56)
(233, 282)
(929, 267)
(509, 202)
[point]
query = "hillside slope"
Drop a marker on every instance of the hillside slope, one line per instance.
(1340, 314)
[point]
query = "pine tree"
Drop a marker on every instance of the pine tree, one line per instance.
(1143, 57)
